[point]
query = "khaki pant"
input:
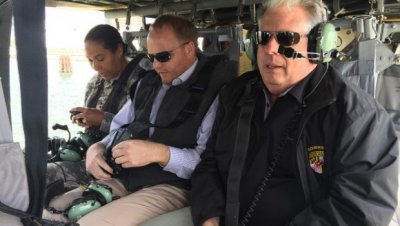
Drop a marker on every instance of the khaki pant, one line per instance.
(130, 210)
(181, 217)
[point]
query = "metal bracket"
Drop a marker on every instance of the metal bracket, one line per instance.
(161, 7)
(212, 13)
(194, 11)
(253, 13)
(240, 10)
(128, 18)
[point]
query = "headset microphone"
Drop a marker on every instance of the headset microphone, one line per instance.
(289, 52)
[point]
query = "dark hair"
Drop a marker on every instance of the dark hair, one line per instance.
(183, 28)
(106, 35)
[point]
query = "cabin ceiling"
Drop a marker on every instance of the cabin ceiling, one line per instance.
(222, 11)
(111, 4)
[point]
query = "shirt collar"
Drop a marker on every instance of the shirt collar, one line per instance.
(109, 82)
(185, 75)
(298, 90)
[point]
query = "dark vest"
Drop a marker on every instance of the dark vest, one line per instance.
(178, 119)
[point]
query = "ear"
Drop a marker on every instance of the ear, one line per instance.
(190, 47)
(120, 50)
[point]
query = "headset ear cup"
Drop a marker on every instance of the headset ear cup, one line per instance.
(328, 39)
(93, 197)
(322, 39)
(82, 206)
(313, 39)
(84, 140)
(70, 153)
(96, 195)
(103, 191)
(81, 144)
(84, 198)
(251, 50)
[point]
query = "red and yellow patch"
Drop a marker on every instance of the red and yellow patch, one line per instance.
(316, 158)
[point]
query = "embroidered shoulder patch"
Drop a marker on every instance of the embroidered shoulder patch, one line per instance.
(316, 158)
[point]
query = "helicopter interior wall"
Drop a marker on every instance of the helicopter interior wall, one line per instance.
(370, 58)
(359, 72)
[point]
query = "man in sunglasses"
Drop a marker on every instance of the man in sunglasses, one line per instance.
(157, 138)
(293, 142)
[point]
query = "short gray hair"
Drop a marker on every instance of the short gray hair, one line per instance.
(317, 9)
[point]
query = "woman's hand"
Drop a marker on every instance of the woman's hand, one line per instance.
(86, 117)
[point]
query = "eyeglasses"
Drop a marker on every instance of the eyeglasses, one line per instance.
(284, 38)
(164, 56)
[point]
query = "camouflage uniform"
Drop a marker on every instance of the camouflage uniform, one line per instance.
(108, 87)
(93, 84)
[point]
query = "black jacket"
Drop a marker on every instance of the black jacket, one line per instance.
(358, 185)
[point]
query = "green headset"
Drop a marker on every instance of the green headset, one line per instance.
(251, 44)
(75, 149)
(95, 196)
(322, 42)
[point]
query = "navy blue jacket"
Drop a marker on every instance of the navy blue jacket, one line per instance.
(359, 179)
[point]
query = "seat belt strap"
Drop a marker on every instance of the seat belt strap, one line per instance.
(239, 156)
(16, 212)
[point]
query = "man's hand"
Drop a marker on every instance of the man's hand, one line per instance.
(87, 117)
(211, 222)
(95, 162)
(136, 153)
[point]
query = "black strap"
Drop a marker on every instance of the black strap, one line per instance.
(139, 129)
(52, 190)
(29, 18)
(132, 90)
(18, 213)
(197, 91)
(111, 105)
(239, 157)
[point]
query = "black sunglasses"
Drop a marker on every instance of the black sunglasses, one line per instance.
(284, 38)
(163, 56)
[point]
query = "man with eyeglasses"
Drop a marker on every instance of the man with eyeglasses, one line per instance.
(157, 138)
(294, 143)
